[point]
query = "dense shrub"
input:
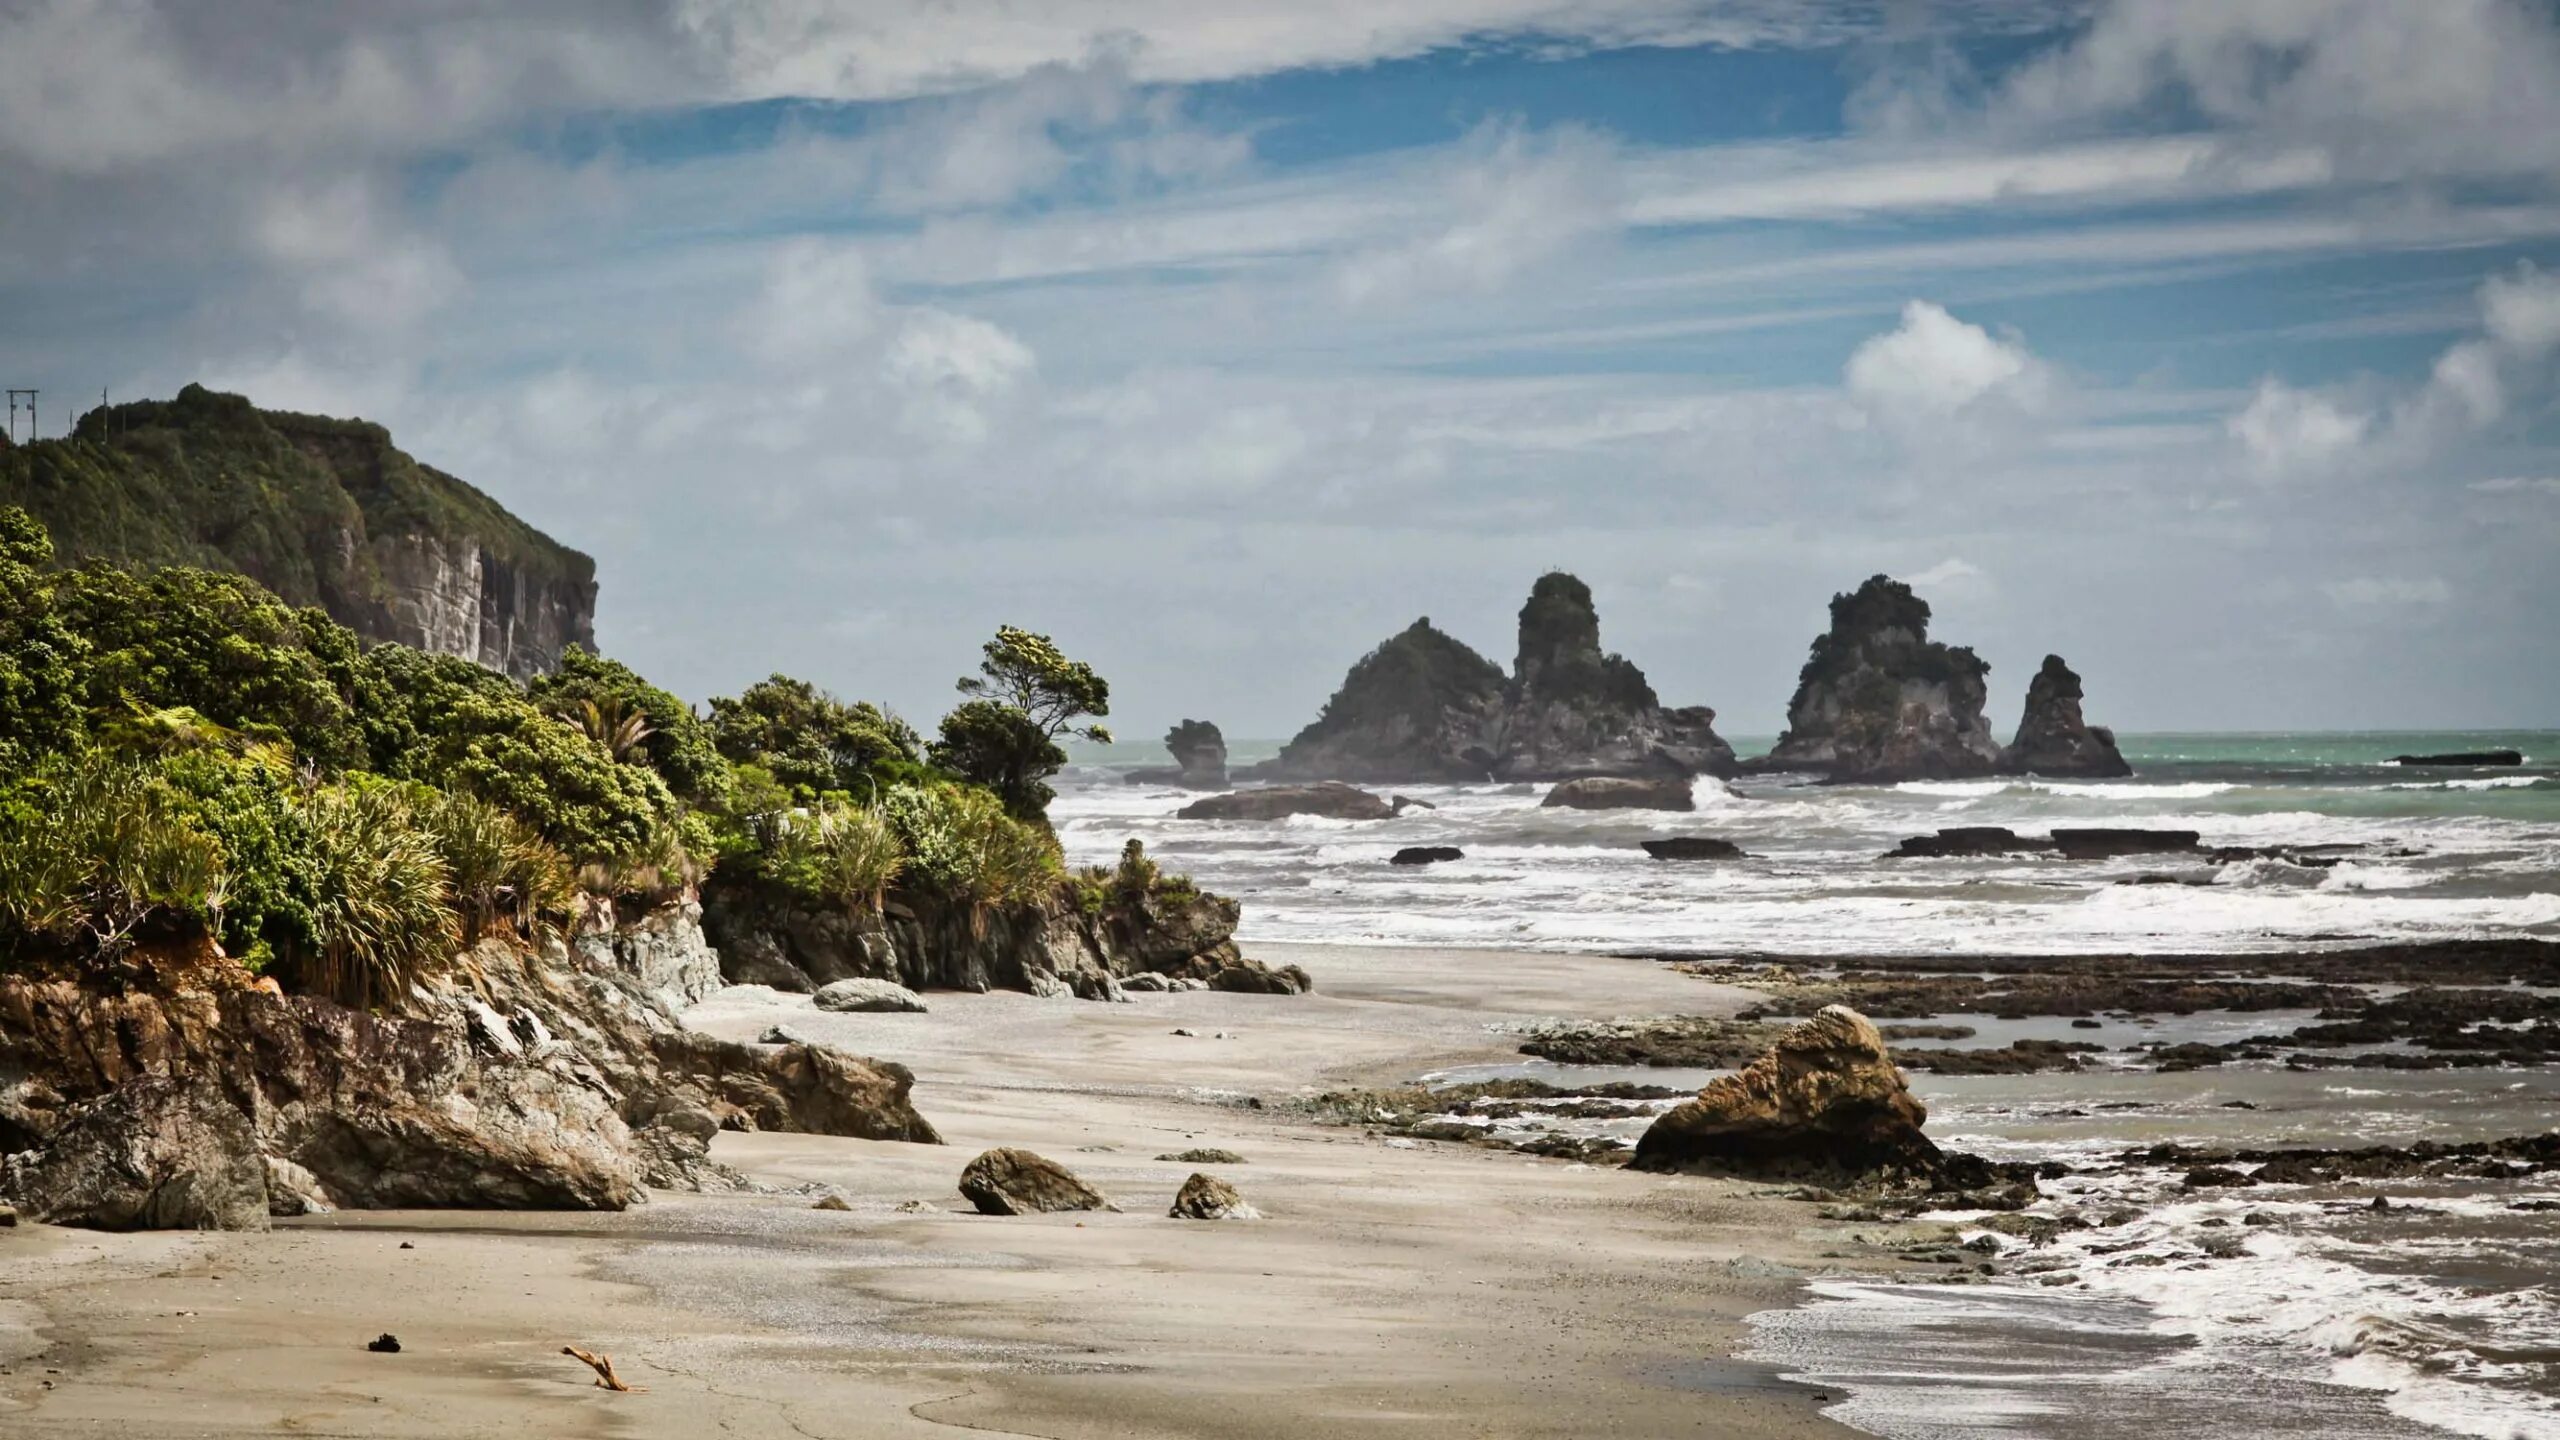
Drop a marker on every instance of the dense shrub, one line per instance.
(380, 918)
(39, 655)
(96, 851)
(607, 695)
(812, 742)
(499, 871)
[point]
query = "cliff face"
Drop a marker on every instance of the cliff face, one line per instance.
(1880, 702)
(323, 512)
(2054, 738)
(1423, 707)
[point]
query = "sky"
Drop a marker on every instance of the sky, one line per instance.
(2213, 344)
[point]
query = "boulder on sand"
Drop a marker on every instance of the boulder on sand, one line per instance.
(1609, 792)
(1005, 1181)
(1824, 1104)
(1206, 1197)
(866, 996)
(1329, 799)
(1694, 847)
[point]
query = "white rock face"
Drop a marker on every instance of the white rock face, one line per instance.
(451, 597)
(869, 996)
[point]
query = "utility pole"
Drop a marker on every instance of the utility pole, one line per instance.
(31, 413)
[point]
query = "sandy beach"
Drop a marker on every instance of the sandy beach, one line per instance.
(1395, 1288)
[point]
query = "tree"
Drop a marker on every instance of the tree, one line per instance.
(39, 655)
(637, 721)
(1025, 695)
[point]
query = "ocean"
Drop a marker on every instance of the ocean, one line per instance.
(2261, 1311)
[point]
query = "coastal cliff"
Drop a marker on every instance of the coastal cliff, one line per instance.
(1878, 701)
(1423, 707)
(551, 1076)
(322, 512)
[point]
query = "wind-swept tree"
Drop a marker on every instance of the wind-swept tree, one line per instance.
(1025, 695)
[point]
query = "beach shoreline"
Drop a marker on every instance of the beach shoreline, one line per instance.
(1397, 1287)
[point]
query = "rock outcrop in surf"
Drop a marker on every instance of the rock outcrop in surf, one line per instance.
(2054, 738)
(1825, 1104)
(1199, 759)
(1879, 702)
(1424, 707)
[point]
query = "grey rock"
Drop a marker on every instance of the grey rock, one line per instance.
(1619, 793)
(1276, 802)
(1206, 1197)
(1006, 1181)
(869, 997)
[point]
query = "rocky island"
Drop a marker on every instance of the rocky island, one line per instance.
(1879, 702)
(1423, 708)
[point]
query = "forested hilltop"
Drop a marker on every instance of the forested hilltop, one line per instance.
(322, 512)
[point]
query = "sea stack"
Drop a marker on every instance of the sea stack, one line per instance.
(1424, 708)
(1199, 759)
(1574, 710)
(1880, 702)
(2054, 738)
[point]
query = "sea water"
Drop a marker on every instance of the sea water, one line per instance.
(2438, 1315)
(2450, 853)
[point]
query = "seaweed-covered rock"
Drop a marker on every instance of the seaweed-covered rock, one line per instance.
(1824, 1103)
(1006, 1181)
(1609, 792)
(2054, 738)
(1878, 701)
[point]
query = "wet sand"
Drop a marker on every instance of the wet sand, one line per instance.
(1395, 1289)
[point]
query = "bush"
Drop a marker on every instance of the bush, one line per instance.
(96, 848)
(39, 655)
(963, 850)
(678, 744)
(453, 725)
(811, 742)
(838, 855)
(381, 922)
(252, 804)
(499, 871)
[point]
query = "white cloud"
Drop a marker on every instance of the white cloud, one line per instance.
(2287, 431)
(2381, 592)
(1936, 364)
(2522, 311)
(956, 371)
(1951, 573)
(2518, 485)
(1506, 201)
(816, 302)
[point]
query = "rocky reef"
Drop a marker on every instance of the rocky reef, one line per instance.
(549, 1077)
(1199, 759)
(1878, 701)
(2054, 738)
(1423, 707)
(323, 512)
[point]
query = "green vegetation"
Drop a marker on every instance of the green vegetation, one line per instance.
(185, 758)
(309, 507)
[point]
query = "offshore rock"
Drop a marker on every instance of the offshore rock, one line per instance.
(1613, 793)
(2103, 844)
(1415, 710)
(1694, 847)
(2476, 758)
(2054, 738)
(1823, 1104)
(1006, 1181)
(1424, 707)
(1880, 702)
(1965, 840)
(1426, 855)
(1275, 802)
(1199, 759)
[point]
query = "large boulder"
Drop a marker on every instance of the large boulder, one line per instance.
(1823, 1104)
(1606, 792)
(1277, 802)
(2054, 738)
(1880, 702)
(863, 995)
(1206, 1197)
(1005, 1181)
(155, 1154)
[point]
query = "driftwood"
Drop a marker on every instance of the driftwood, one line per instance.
(603, 1366)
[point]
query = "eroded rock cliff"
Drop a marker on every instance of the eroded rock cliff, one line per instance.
(1879, 701)
(323, 512)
